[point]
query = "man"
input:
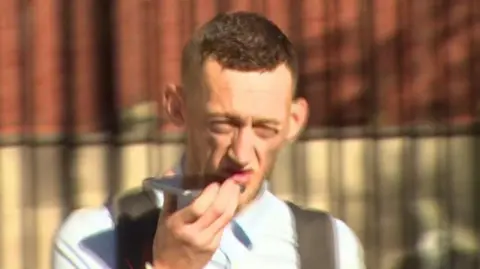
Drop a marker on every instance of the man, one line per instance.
(238, 107)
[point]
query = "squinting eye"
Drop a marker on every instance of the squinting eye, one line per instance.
(265, 131)
(221, 127)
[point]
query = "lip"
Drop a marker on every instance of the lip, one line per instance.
(240, 177)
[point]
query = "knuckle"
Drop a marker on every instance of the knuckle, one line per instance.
(175, 229)
(197, 209)
(218, 209)
(184, 234)
(200, 242)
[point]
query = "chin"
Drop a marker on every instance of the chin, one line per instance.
(246, 199)
(250, 193)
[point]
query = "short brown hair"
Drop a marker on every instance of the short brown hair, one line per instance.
(243, 41)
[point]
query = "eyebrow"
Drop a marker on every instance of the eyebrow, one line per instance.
(266, 121)
(257, 120)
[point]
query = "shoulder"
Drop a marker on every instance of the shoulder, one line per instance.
(350, 251)
(85, 239)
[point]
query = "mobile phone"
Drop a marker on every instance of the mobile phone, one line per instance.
(171, 186)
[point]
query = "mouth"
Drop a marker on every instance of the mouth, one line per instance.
(241, 177)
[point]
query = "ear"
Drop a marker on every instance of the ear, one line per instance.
(173, 105)
(298, 118)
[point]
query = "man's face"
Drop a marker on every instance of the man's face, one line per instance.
(236, 122)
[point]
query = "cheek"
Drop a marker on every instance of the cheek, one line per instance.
(217, 142)
(267, 152)
(217, 148)
(204, 146)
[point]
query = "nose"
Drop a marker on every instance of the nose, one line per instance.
(241, 149)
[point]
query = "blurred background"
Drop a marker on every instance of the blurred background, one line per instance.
(392, 146)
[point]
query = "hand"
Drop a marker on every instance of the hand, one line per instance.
(188, 238)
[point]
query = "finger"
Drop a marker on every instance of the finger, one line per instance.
(198, 207)
(224, 202)
(206, 241)
(210, 236)
(213, 245)
(219, 224)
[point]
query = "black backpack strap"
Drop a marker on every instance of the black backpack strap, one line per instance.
(315, 238)
(136, 214)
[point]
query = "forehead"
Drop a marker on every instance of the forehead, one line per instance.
(262, 94)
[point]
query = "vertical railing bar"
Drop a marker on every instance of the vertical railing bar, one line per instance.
(157, 87)
(410, 163)
(298, 176)
(476, 186)
(399, 60)
(372, 152)
(364, 48)
(149, 41)
(373, 111)
(336, 136)
(298, 34)
(409, 157)
(449, 189)
(414, 145)
(332, 184)
(29, 194)
(68, 121)
(474, 89)
(434, 46)
(2, 88)
(364, 71)
(441, 118)
(109, 55)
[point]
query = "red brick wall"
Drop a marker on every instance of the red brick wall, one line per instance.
(422, 54)
(10, 66)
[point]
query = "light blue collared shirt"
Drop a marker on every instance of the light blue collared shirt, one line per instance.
(263, 236)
